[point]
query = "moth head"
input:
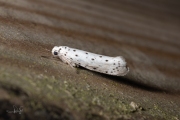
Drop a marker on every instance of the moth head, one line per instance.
(55, 51)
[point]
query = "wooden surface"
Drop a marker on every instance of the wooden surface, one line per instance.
(146, 33)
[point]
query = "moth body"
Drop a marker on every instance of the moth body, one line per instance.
(95, 62)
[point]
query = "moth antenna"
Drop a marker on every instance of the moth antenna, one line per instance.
(47, 49)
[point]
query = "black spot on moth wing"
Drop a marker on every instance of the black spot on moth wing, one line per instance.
(95, 68)
(106, 71)
(114, 64)
(106, 60)
(65, 47)
(86, 53)
(92, 59)
(100, 56)
(74, 50)
(76, 55)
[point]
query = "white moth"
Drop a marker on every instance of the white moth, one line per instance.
(99, 63)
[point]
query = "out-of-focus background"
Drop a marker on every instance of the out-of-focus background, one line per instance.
(33, 85)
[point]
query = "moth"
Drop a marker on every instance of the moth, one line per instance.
(95, 62)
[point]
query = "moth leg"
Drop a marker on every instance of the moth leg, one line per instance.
(68, 61)
(72, 64)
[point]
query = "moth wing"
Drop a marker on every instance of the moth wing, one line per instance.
(109, 69)
(105, 68)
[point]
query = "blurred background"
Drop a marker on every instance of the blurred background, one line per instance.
(144, 32)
